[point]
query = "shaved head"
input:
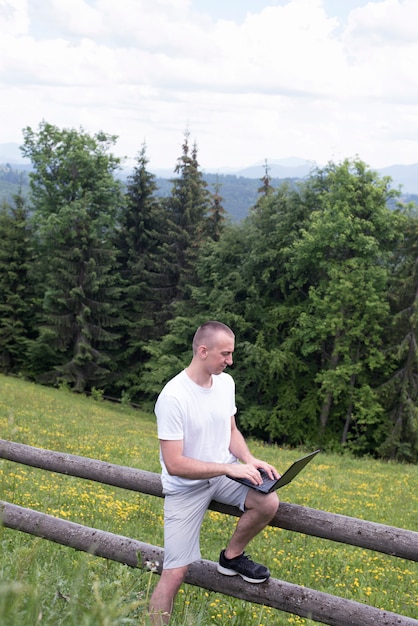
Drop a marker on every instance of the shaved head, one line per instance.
(206, 333)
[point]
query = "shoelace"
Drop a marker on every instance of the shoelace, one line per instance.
(245, 556)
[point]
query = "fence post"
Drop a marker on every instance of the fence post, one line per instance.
(281, 595)
(341, 528)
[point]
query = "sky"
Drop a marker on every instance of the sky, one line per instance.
(249, 80)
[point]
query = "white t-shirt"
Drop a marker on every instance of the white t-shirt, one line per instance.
(200, 417)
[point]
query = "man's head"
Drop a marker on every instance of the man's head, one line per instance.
(213, 346)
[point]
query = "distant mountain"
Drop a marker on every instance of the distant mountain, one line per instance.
(283, 168)
(292, 167)
(10, 153)
(238, 187)
(238, 193)
(404, 175)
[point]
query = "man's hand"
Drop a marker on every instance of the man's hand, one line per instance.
(251, 471)
(271, 471)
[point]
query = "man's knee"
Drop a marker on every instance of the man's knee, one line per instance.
(267, 505)
(271, 504)
(173, 578)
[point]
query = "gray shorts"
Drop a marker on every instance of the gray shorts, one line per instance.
(183, 517)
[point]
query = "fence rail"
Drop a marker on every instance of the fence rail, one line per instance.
(334, 527)
(315, 605)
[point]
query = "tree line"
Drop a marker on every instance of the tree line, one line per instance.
(102, 286)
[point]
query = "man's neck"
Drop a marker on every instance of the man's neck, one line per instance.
(203, 379)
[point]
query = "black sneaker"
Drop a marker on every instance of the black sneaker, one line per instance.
(244, 566)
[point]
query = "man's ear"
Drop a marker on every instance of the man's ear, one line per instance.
(202, 352)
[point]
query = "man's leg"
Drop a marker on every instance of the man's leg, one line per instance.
(260, 508)
(162, 599)
(183, 515)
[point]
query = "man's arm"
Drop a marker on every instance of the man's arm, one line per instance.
(179, 465)
(186, 467)
(238, 447)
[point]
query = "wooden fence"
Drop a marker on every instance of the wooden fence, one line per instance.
(281, 595)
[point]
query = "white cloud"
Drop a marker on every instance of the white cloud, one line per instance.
(289, 79)
(14, 19)
(382, 41)
(66, 18)
(386, 23)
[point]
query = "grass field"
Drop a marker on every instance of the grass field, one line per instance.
(47, 584)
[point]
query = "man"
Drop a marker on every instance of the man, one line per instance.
(200, 446)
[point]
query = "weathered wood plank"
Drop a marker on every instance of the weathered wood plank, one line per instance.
(340, 528)
(278, 594)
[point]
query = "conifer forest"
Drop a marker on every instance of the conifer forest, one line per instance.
(103, 284)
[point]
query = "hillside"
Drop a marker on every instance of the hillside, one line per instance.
(239, 193)
(44, 578)
(12, 180)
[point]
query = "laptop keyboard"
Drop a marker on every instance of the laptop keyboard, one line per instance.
(267, 481)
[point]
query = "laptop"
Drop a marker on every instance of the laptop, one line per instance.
(268, 485)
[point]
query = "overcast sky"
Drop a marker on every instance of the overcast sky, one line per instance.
(250, 79)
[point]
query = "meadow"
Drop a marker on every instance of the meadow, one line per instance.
(47, 584)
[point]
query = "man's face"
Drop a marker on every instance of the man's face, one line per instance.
(219, 353)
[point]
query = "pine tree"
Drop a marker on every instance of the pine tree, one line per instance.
(399, 388)
(75, 199)
(216, 215)
(144, 268)
(188, 206)
(18, 310)
(266, 188)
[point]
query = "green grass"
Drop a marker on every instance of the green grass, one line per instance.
(44, 583)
